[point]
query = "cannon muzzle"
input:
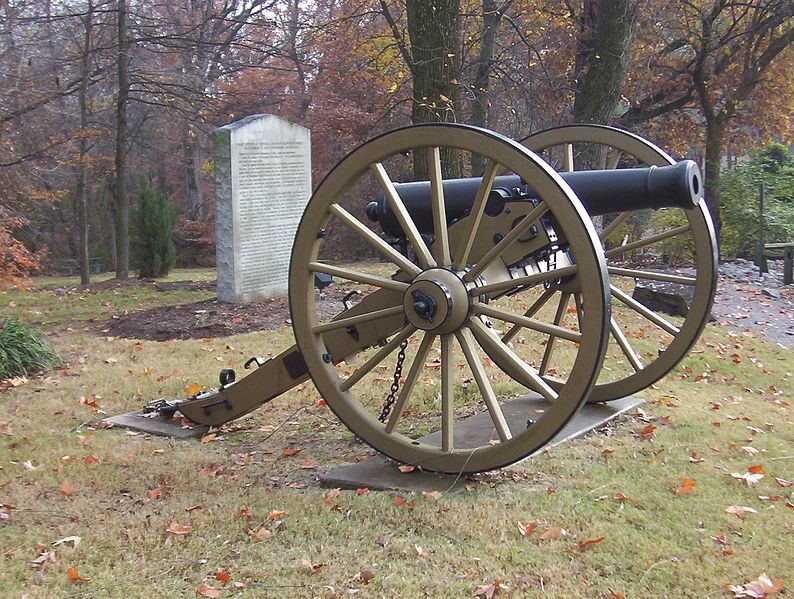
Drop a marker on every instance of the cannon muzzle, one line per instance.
(600, 191)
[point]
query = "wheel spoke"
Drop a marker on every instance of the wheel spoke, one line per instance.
(641, 243)
(497, 250)
(640, 309)
(408, 387)
(613, 158)
(447, 407)
(528, 281)
(372, 239)
(472, 222)
(441, 243)
(650, 275)
(358, 319)
(379, 356)
(577, 298)
(521, 372)
(467, 344)
(562, 306)
(528, 323)
(539, 303)
(359, 277)
(567, 158)
(625, 346)
(612, 227)
(423, 255)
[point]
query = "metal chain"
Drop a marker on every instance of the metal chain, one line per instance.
(395, 385)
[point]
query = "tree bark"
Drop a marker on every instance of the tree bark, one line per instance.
(120, 188)
(715, 148)
(82, 174)
(601, 61)
(434, 32)
(192, 158)
(480, 112)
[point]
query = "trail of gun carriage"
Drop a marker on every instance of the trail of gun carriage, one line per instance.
(396, 299)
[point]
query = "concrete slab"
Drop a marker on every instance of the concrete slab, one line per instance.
(381, 474)
(156, 425)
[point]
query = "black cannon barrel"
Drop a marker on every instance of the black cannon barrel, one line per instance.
(600, 191)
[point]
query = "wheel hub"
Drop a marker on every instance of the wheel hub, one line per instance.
(437, 301)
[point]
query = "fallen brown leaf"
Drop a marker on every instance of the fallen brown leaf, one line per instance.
(67, 489)
(331, 497)
(175, 528)
(740, 510)
(763, 586)
(590, 542)
(91, 460)
(262, 534)
(686, 487)
(74, 575)
(553, 533)
(527, 529)
(223, 577)
(205, 590)
(489, 590)
(310, 567)
(193, 389)
(645, 432)
(432, 495)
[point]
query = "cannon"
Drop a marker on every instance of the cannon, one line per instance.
(491, 286)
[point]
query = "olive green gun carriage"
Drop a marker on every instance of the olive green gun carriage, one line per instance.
(503, 285)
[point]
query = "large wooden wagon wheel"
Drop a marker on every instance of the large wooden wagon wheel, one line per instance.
(627, 368)
(435, 307)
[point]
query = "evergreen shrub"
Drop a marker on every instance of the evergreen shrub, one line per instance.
(153, 245)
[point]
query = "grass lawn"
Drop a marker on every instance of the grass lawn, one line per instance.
(88, 512)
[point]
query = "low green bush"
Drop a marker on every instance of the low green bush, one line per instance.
(24, 350)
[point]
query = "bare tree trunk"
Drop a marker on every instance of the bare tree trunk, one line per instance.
(491, 16)
(434, 31)
(82, 174)
(715, 147)
(192, 158)
(120, 187)
(602, 58)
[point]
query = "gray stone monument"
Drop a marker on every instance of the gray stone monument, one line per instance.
(262, 184)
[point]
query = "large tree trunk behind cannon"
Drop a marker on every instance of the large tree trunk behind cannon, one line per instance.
(434, 32)
(601, 61)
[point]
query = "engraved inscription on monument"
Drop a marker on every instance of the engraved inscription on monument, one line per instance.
(263, 182)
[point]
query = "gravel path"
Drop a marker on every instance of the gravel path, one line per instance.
(754, 303)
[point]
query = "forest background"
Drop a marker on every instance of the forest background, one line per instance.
(95, 94)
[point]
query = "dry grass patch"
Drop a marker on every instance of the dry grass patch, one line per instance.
(158, 517)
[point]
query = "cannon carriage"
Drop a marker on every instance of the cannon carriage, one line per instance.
(506, 287)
